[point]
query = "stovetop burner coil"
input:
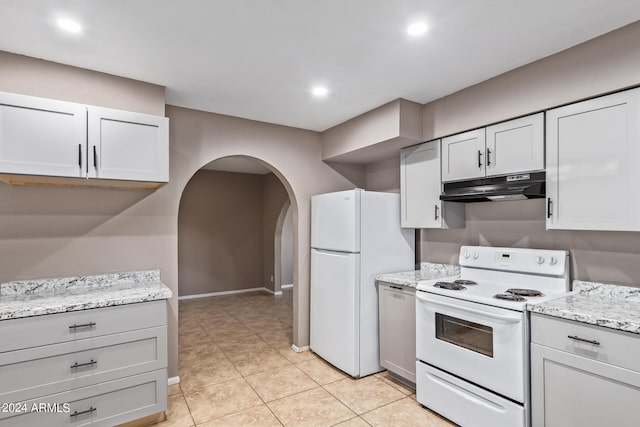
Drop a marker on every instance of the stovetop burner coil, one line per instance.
(510, 297)
(524, 292)
(452, 286)
(465, 282)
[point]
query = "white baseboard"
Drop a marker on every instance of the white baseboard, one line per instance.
(173, 380)
(289, 286)
(299, 349)
(234, 292)
(276, 293)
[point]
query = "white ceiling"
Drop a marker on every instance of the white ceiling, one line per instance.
(259, 58)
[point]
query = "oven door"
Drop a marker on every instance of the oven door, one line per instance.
(477, 342)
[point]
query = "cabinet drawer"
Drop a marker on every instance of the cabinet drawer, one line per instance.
(610, 346)
(56, 328)
(105, 404)
(40, 371)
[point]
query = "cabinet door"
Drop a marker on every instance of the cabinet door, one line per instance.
(515, 146)
(569, 390)
(398, 330)
(463, 156)
(593, 149)
(128, 146)
(41, 136)
(420, 186)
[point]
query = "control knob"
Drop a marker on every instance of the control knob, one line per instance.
(540, 260)
(476, 255)
(553, 260)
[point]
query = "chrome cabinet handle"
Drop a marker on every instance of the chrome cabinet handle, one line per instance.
(88, 411)
(80, 156)
(83, 325)
(577, 338)
(488, 157)
(95, 157)
(479, 158)
(396, 287)
(78, 365)
(436, 212)
(549, 207)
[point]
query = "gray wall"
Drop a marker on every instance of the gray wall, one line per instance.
(274, 197)
(601, 256)
(220, 233)
(286, 245)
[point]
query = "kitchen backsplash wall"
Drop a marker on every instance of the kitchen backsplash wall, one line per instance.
(599, 256)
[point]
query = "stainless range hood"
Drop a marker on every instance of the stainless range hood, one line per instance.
(500, 188)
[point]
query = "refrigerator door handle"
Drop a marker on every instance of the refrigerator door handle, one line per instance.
(332, 252)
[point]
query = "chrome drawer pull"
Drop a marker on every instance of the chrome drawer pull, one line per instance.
(84, 325)
(577, 338)
(78, 365)
(88, 411)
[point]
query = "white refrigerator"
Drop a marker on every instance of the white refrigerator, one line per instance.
(355, 235)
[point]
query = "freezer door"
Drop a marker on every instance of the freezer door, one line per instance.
(334, 308)
(335, 221)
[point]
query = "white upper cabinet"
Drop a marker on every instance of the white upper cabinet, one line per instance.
(47, 138)
(593, 152)
(463, 156)
(128, 146)
(515, 146)
(506, 148)
(42, 136)
(420, 190)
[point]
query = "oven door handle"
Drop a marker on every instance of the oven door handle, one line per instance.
(501, 317)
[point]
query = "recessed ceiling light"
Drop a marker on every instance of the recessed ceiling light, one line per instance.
(69, 25)
(417, 28)
(320, 91)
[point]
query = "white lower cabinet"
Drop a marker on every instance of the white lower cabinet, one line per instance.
(102, 366)
(420, 189)
(398, 330)
(583, 375)
(104, 404)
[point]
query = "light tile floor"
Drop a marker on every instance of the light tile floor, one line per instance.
(237, 369)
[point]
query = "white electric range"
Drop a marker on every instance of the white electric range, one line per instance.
(472, 333)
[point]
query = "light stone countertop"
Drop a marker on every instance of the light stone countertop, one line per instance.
(27, 298)
(428, 271)
(610, 306)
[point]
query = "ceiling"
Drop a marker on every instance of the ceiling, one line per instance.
(258, 59)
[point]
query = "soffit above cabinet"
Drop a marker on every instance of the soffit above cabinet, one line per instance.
(376, 135)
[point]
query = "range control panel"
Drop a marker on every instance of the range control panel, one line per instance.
(534, 261)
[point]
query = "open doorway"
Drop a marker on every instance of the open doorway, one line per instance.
(229, 298)
(230, 213)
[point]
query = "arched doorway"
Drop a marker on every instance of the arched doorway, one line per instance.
(218, 239)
